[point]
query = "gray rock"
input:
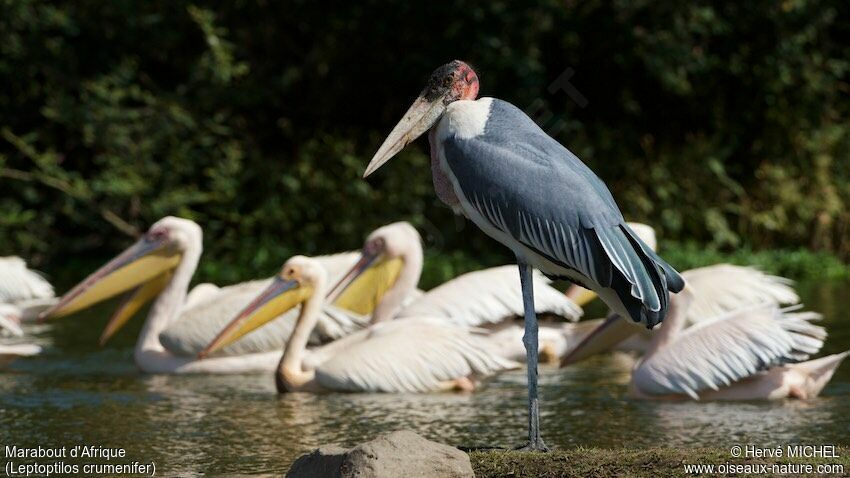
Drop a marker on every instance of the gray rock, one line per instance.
(390, 455)
(324, 461)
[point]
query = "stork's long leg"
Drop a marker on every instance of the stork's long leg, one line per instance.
(535, 442)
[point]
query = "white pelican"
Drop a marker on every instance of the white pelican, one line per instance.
(404, 355)
(160, 265)
(9, 324)
(722, 288)
(748, 354)
(715, 289)
(488, 296)
(382, 277)
(23, 288)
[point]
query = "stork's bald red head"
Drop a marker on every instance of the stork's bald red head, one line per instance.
(451, 82)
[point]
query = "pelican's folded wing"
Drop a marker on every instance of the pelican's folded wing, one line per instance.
(198, 324)
(734, 346)
(17, 283)
(489, 296)
(723, 288)
(527, 186)
(409, 355)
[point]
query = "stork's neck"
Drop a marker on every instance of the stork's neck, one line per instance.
(392, 301)
(674, 322)
(290, 374)
(169, 303)
(462, 120)
(442, 183)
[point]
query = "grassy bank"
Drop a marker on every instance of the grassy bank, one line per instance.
(797, 264)
(654, 462)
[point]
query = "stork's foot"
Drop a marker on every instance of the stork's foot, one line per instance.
(534, 446)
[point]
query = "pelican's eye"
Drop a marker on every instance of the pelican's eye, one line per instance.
(157, 234)
(447, 81)
(375, 246)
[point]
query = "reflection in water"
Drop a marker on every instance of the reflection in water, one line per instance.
(79, 394)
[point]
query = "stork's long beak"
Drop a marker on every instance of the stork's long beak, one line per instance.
(610, 333)
(134, 301)
(140, 263)
(420, 117)
(280, 296)
(364, 285)
(580, 295)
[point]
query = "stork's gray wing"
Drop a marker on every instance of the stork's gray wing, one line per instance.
(409, 355)
(723, 288)
(489, 296)
(718, 352)
(527, 185)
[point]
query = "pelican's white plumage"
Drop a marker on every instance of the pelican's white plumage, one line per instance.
(24, 293)
(404, 355)
(413, 355)
(24, 288)
(722, 288)
(753, 353)
(720, 351)
(9, 320)
(492, 298)
(489, 296)
(10, 353)
(9, 317)
(716, 290)
(555, 339)
(18, 283)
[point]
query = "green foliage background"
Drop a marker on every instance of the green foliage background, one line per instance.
(725, 125)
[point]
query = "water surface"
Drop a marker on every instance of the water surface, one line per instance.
(80, 394)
